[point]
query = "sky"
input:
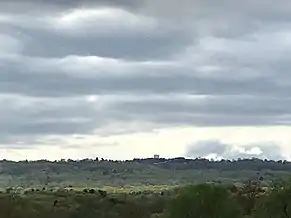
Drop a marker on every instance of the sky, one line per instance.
(125, 79)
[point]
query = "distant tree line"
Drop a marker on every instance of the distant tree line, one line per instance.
(24, 167)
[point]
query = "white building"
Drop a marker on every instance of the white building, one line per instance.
(156, 156)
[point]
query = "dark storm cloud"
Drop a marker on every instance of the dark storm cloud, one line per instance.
(146, 53)
(263, 150)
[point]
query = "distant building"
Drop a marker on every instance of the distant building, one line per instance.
(156, 156)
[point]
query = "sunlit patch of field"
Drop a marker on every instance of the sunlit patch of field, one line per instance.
(129, 188)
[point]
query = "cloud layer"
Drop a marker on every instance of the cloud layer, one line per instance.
(88, 68)
(217, 149)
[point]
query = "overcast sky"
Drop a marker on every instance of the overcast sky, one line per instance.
(124, 79)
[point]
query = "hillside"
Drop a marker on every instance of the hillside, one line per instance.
(150, 171)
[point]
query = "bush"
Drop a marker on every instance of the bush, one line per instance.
(276, 203)
(203, 201)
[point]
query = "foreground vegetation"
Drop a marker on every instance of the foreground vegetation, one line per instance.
(250, 200)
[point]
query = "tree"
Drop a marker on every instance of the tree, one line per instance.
(247, 195)
(203, 201)
(276, 203)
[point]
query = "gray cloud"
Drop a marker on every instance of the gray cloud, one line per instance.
(107, 46)
(264, 150)
(73, 76)
(195, 63)
(28, 117)
(115, 114)
(125, 34)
